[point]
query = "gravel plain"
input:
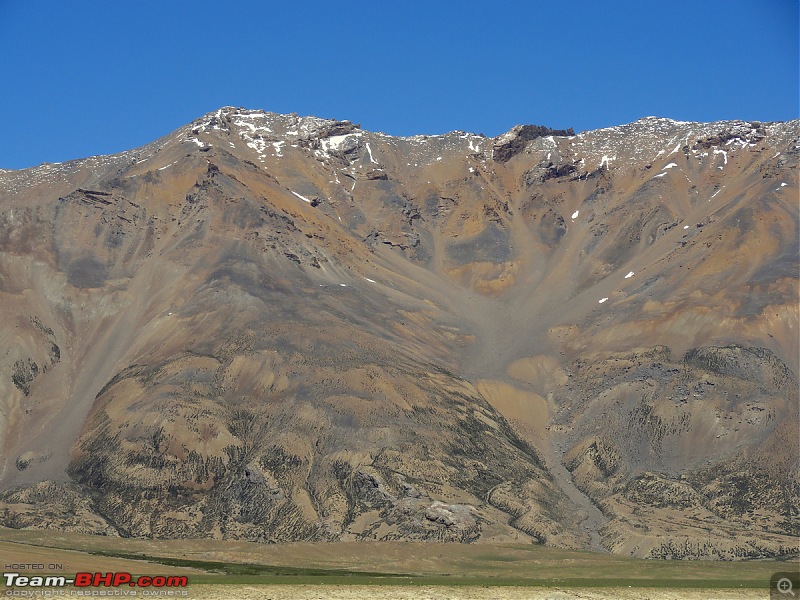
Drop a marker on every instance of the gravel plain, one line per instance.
(356, 592)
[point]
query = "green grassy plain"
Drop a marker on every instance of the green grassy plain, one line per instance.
(379, 563)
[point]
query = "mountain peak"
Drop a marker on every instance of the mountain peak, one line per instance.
(263, 122)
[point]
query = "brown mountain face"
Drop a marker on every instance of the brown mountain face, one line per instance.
(272, 328)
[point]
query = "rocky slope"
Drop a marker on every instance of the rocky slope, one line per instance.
(272, 327)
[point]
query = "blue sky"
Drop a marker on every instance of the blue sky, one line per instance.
(91, 77)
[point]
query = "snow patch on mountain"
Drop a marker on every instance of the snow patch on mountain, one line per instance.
(303, 198)
(369, 151)
(340, 142)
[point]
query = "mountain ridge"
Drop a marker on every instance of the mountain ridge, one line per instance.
(203, 121)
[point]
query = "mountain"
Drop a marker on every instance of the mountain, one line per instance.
(271, 327)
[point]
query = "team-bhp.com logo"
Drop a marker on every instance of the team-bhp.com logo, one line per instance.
(97, 580)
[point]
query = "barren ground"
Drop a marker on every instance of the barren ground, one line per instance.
(342, 592)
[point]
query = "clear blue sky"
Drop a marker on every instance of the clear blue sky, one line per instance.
(88, 77)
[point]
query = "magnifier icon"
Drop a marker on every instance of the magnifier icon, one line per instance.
(785, 586)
